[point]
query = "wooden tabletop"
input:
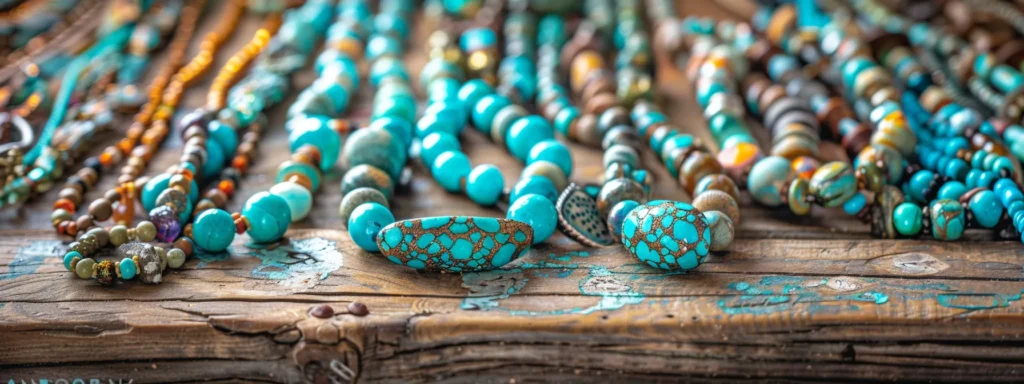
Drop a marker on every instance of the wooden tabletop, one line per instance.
(795, 299)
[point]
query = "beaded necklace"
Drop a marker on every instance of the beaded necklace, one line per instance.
(267, 215)
(315, 131)
(138, 258)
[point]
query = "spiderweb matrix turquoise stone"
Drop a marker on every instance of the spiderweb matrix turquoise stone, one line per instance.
(454, 243)
(667, 234)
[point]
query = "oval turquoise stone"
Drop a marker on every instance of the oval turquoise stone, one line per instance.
(667, 235)
(213, 230)
(128, 269)
(269, 216)
(474, 90)
(454, 243)
(986, 208)
(948, 219)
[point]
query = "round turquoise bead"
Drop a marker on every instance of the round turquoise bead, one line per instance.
(474, 90)
(215, 159)
(855, 204)
(334, 92)
(907, 219)
(224, 136)
(68, 257)
(387, 67)
(451, 110)
(948, 219)
(525, 133)
(477, 38)
(485, 109)
(952, 190)
(299, 199)
(128, 269)
(485, 184)
(767, 179)
(366, 222)
(538, 185)
(377, 147)
(707, 89)
(553, 151)
(383, 45)
(315, 131)
(398, 127)
(564, 119)
(434, 123)
(213, 230)
(986, 208)
(435, 144)
(536, 211)
(269, 216)
(449, 169)
(385, 23)
(919, 184)
(344, 67)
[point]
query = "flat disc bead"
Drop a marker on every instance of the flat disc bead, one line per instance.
(717, 182)
(367, 176)
(269, 216)
(357, 197)
(947, 219)
(536, 211)
(449, 169)
(485, 184)
(366, 222)
(299, 199)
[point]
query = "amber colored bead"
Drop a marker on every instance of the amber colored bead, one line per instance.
(240, 163)
(307, 154)
(64, 204)
(227, 186)
(302, 180)
(601, 103)
(124, 212)
(240, 226)
(71, 229)
(62, 227)
(341, 126)
(185, 245)
(695, 167)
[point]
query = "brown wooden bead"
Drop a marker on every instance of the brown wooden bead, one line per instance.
(84, 222)
(184, 244)
(101, 209)
(600, 103)
(71, 194)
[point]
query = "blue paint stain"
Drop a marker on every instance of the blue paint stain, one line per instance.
(30, 257)
(206, 257)
(976, 301)
(774, 294)
(302, 262)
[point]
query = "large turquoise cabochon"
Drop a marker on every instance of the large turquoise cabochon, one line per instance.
(454, 243)
(667, 235)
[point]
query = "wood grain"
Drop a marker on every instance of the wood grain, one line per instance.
(813, 299)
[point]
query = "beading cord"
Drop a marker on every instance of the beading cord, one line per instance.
(315, 136)
(111, 42)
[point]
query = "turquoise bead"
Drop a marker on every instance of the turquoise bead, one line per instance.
(377, 147)
(289, 167)
(948, 219)
(485, 109)
(538, 185)
(69, 257)
(387, 67)
(918, 184)
(299, 199)
(474, 90)
(398, 127)
(485, 184)
(128, 269)
(366, 222)
(833, 184)
(855, 204)
(213, 230)
(215, 159)
(536, 211)
(707, 89)
(434, 123)
(454, 243)
(525, 133)
(553, 151)
(667, 235)
(388, 23)
(435, 144)
(269, 216)
(952, 190)
(451, 111)
(383, 45)
(343, 68)
(477, 38)
(333, 91)
(224, 136)
(767, 179)
(907, 219)
(565, 118)
(986, 208)
(316, 132)
(449, 169)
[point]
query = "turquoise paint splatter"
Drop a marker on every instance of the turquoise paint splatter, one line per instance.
(30, 257)
(206, 257)
(301, 263)
(774, 294)
(976, 301)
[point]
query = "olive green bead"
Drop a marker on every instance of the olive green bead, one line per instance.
(145, 231)
(367, 176)
(84, 268)
(118, 235)
(175, 258)
(357, 197)
(101, 235)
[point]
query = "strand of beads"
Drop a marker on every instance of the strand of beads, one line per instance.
(119, 202)
(314, 137)
(207, 141)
